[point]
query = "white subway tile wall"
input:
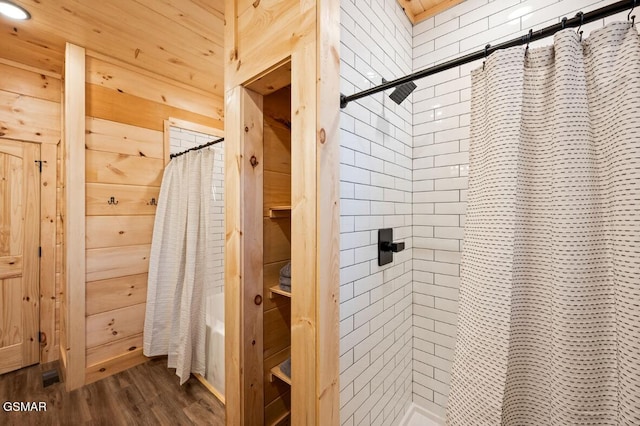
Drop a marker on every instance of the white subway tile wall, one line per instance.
(440, 166)
(180, 140)
(376, 370)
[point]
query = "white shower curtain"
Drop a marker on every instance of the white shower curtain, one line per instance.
(549, 322)
(178, 269)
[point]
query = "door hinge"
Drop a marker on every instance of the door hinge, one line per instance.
(39, 163)
(39, 251)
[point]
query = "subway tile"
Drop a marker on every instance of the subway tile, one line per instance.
(451, 208)
(453, 183)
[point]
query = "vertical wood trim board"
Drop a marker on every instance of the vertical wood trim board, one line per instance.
(74, 134)
(232, 259)
(328, 213)
(48, 212)
(303, 236)
(251, 178)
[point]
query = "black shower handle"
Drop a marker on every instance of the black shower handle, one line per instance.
(392, 247)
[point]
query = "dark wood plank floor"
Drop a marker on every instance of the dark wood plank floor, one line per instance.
(148, 394)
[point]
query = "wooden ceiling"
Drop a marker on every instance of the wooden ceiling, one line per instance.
(178, 39)
(419, 10)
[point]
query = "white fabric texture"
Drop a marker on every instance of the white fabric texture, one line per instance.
(549, 321)
(178, 269)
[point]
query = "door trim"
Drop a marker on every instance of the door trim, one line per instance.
(48, 220)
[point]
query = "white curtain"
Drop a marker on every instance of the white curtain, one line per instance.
(549, 322)
(178, 268)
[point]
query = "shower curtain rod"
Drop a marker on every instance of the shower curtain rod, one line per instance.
(195, 148)
(576, 21)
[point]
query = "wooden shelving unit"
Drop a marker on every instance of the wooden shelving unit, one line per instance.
(276, 212)
(277, 290)
(276, 372)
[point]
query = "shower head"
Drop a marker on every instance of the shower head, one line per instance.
(401, 92)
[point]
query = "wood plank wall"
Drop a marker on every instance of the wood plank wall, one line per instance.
(125, 159)
(277, 250)
(30, 111)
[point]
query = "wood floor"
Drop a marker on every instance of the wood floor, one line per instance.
(148, 394)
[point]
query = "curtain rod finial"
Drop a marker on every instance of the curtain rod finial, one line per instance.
(343, 101)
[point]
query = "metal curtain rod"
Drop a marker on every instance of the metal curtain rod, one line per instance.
(577, 21)
(195, 148)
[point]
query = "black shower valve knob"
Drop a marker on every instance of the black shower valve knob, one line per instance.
(393, 247)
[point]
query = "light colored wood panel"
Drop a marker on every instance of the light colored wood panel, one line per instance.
(140, 37)
(303, 229)
(277, 239)
(277, 146)
(277, 413)
(114, 325)
(48, 253)
(11, 358)
(10, 267)
(124, 108)
(115, 365)
(272, 79)
(30, 275)
(277, 329)
(277, 190)
(31, 51)
(131, 200)
(11, 148)
(112, 262)
(16, 190)
(109, 136)
(265, 35)
(252, 254)
(196, 127)
(328, 215)
(25, 67)
(114, 293)
(11, 315)
(109, 167)
(102, 353)
(123, 80)
(274, 389)
(29, 83)
(114, 231)
(29, 119)
(203, 19)
(277, 110)
(74, 237)
(232, 259)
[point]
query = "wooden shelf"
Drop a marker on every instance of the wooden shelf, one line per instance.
(276, 212)
(277, 290)
(275, 371)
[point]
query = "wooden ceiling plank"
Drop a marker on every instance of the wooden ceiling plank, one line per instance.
(21, 51)
(214, 6)
(171, 53)
(434, 10)
(191, 16)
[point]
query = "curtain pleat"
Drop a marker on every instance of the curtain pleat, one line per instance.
(549, 321)
(178, 269)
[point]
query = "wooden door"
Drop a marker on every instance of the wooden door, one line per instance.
(19, 252)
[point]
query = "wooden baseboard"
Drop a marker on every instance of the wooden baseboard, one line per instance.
(210, 388)
(114, 365)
